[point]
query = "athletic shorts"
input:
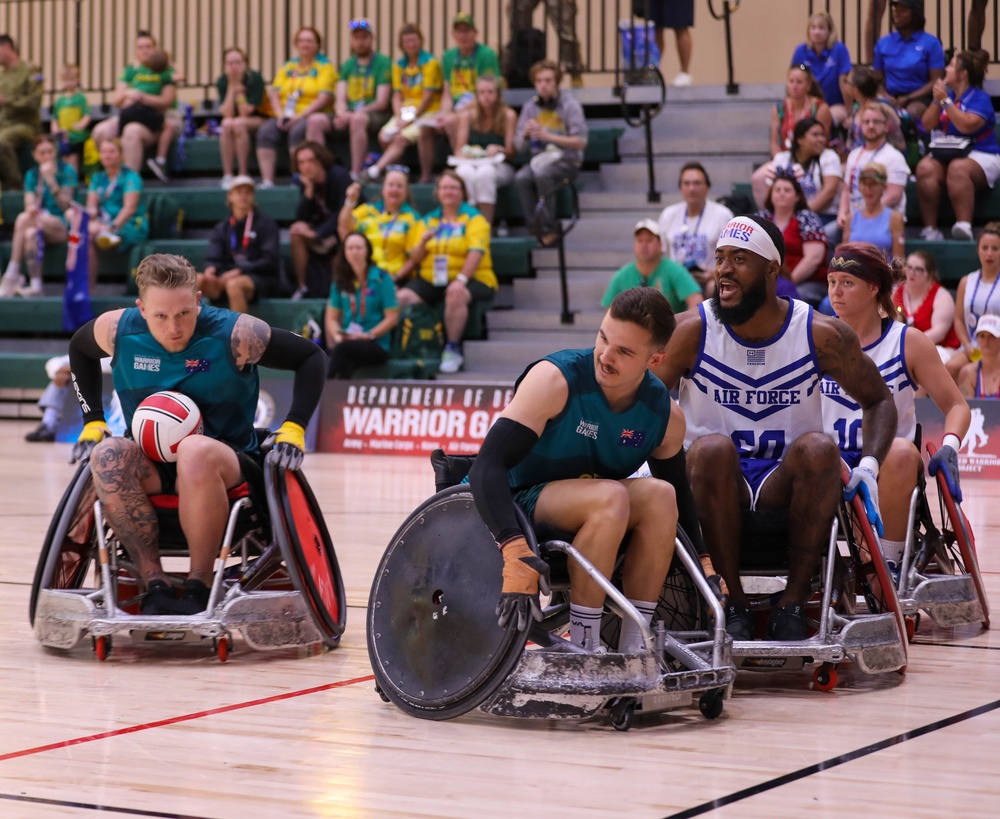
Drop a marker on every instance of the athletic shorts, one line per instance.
(168, 472)
(669, 13)
(990, 163)
(527, 499)
(755, 472)
(431, 294)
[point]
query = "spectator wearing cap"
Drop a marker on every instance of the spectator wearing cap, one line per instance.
(242, 264)
(20, 109)
(553, 128)
(361, 106)
(461, 66)
(981, 379)
(909, 59)
(651, 269)
(690, 229)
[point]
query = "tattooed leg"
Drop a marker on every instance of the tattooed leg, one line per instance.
(124, 478)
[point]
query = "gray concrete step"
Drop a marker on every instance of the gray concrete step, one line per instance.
(585, 293)
(631, 174)
(506, 359)
(547, 258)
(547, 319)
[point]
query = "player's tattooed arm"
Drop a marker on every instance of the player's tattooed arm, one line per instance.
(840, 357)
(249, 340)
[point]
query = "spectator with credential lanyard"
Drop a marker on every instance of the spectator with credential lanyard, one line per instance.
(386, 223)
(829, 61)
(909, 59)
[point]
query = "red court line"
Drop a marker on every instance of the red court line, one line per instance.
(183, 718)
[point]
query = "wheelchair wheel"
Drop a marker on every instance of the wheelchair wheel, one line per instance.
(871, 572)
(298, 527)
(433, 639)
(70, 547)
(679, 607)
(958, 539)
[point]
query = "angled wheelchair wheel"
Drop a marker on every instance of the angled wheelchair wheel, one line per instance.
(433, 639)
(957, 538)
(871, 572)
(679, 607)
(70, 546)
(300, 531)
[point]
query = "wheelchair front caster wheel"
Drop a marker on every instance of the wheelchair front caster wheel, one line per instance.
(825, 678)
(102, 647)
(381, 694)
(710, 703)
(622, 714)
(223, 645)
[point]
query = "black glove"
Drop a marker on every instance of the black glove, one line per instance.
(524, 573)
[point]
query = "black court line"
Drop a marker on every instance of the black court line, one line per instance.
(36, 800)
(834, 762)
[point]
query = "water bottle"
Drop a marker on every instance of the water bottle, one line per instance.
(189, 124)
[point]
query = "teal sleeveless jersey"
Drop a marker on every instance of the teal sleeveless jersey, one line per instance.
(205, 371)
(588, 439)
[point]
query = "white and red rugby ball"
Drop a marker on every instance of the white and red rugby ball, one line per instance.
(162, 421)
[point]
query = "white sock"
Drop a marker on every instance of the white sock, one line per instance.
(892, 550)
(50, 416)
(585, 626)
(630, 640)
(13, 269)
(36, 284)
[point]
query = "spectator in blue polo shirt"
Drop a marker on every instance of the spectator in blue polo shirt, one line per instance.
(960, 108)
(909, 59)
(829, 61)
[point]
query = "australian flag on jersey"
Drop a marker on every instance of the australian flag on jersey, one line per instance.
(196, 365)
(76, 299)
(631, 437)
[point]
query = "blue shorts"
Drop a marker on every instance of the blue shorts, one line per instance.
(755, 472)
(851, 457)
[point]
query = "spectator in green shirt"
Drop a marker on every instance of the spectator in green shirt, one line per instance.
(244, 106)
(650, 269)
(71, 117)
(361, 106)
(461, 67)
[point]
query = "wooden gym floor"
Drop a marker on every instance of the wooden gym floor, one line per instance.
(174, 733)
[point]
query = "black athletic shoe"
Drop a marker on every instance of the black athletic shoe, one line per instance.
(739, 621)
(41, 433)
(449, 470)
(159, 599)
(788, 623)
(195, 597)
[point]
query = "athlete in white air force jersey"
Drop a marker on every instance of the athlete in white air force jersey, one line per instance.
(749, 367)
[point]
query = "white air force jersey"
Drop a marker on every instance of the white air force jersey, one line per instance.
(763, 396)
(842, 414)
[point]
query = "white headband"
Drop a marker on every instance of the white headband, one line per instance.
(743, 232)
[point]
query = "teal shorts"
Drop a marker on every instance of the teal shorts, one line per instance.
(528, 498)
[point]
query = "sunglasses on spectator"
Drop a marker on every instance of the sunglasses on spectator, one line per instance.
(360, 25)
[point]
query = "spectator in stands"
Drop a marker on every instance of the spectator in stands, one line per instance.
(909, 59)
(976, 24)
(49, 189)
(71, 117)
(960, 108)
(416, 99)
(20, 109)
(114, 202)
(484, 140)
(387, 223)
(691, 228)
(450, 252)
(874, 119)
(805, 239)
(981, 379)
(864, 88)
(562, 15)
(651, 269)
(461, 67)
(923, 303)
(244, 106)
(323, 184)
(679, 16)
(54, 395)
(803, 98)
(173, 118)
(361, 106)
(302, 87)
(552, 126)
(362, 311)
(829, 62)
(142, 96)
(873, 222)
(977, 295)
(873, 27)
(815, 166)
(243, 262)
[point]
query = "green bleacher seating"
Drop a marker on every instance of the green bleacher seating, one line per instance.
(24, 370)
(954, 259)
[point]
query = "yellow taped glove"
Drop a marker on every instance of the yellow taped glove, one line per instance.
(288, 446)
(93, 433)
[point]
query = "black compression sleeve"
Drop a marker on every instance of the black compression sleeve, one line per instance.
(287, 351)
(507, 444)
(85, 356)
(674, 471)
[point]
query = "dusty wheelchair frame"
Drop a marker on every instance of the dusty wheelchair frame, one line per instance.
(276, 580)
(437, 651)
(940, 568)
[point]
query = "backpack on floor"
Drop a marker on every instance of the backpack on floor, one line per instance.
(420, 333)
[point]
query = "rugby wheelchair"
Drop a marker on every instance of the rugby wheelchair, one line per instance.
(437, 652)
(854, 611)
(939, 571)
(276, 582)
